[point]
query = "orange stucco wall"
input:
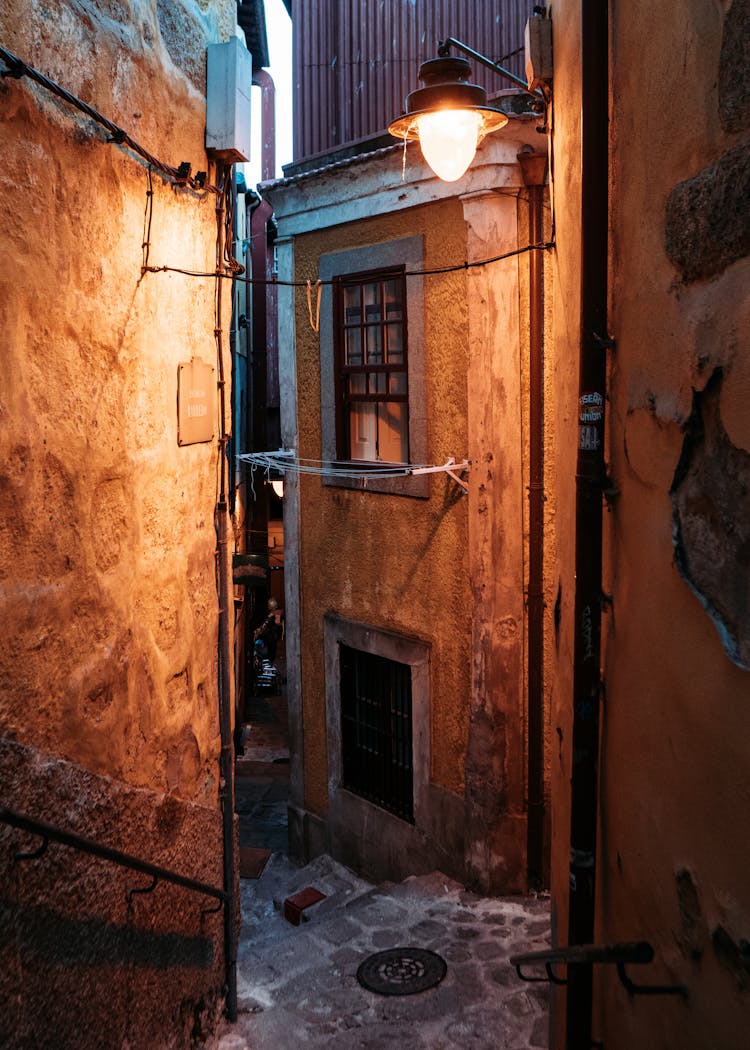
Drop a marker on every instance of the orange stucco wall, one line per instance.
(674, 844)
(391, 561)
(107, 565)
(109, 724)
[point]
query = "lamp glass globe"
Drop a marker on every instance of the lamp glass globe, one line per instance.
(448, 138)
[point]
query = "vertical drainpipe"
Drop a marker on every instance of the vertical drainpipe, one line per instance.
(590, 473)
(533, 169)
(258, 540)
(224, 588)
(263, 79)
(262, 269)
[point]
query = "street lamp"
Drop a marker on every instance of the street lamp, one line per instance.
(450, 116)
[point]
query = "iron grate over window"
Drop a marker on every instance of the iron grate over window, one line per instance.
(376, 730)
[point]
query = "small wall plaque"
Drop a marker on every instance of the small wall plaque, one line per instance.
(196, 402)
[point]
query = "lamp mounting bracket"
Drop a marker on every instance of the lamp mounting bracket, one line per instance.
(444, 47)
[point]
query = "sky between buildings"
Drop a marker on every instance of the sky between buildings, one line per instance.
(279, 29)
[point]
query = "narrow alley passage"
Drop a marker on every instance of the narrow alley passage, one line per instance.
(262, 780)
(298, 984)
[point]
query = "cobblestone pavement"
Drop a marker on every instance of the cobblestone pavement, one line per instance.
(297, 984)
(298, 987)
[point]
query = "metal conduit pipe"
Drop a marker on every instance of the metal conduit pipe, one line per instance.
(224, 586)
(258, 332)
(263, 79)
(590, 473)
(257, 539)
(533, 169)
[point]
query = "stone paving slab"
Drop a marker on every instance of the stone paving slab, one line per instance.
(298, 988)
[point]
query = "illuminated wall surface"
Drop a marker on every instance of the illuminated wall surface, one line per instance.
(395, 562)
(430, 565)
(674, 834)
(108, 703)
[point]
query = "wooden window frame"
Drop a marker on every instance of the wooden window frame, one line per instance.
(406, 254)
(345, 398)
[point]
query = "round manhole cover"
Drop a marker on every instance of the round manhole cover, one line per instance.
(401, 971)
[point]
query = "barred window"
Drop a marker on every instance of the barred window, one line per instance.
(376, 730)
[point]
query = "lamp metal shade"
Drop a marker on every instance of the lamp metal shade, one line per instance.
(447, 87)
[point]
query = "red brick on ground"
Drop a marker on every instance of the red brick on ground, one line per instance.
(296, 904)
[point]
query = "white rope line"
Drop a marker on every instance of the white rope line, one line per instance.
(285, 460)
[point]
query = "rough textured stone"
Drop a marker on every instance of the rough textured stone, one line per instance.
(734, 68)
(711, 522)
(308, 989)
(184, 36)
(707, 218)
(66, 921)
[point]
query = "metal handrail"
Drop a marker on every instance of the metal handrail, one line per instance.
(618, 955)
(126, 860)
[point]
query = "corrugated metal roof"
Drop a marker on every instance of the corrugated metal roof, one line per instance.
(356, 60)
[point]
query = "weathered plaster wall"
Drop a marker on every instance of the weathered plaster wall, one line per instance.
(674, 842)
(107, 581)
(473, 341)
(566, 303)
(391, 561)
(495, 776)
(107, 565)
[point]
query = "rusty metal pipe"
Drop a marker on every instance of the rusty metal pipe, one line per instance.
(263, 79)
(224, 591)
(533, 169)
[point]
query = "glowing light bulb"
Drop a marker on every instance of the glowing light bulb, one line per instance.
(278, 488)
(448, 139)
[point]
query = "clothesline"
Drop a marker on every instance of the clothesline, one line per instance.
(286, 461)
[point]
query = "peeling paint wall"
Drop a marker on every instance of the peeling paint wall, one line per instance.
(674, 841)
(107, 579)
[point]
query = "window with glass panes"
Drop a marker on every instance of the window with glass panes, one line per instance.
(372, 422)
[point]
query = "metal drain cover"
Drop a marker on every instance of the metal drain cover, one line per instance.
(401, 971)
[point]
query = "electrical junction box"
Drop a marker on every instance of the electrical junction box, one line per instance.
(538, 52)
(229, 79)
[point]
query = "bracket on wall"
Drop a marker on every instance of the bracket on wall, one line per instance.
(458, 478)
(618, 955)
(142, 889)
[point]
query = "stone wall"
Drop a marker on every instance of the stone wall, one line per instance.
(84, 961)
(107, 569)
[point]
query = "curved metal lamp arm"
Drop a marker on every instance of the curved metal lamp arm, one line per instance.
(444, 47)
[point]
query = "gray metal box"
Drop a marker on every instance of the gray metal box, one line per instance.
(229, 78)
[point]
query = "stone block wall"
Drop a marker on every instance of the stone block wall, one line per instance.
(81, 965)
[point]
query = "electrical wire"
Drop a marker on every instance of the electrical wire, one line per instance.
(17, 68)
(546, 246)
(148, 215)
